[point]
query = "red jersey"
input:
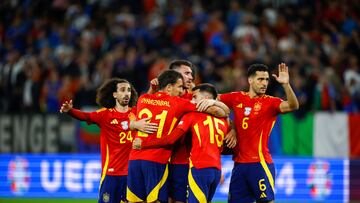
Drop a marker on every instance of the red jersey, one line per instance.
(115, 137)
(181, 151)
(188, 95)
(165, 110)
(207, 138)
(254, 120)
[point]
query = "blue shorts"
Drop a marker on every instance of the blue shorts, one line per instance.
(202, 184)
(113, 189)
(147, 181)
(252, 182)
(178, 181)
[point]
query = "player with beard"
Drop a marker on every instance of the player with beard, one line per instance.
(252, 178)
(179, 162)
(148, 170)
(207, 134)
(116, 121)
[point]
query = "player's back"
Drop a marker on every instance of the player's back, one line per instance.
(165, 110)
(207, 138)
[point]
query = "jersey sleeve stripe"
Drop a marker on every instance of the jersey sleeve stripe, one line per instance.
(264, 165)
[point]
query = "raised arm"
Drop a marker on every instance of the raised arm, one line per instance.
(154, 84)
(67, 107)
(291, 102)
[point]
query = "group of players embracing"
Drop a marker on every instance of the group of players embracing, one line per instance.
(166, 145)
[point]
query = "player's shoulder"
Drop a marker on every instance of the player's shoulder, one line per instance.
(132, 113)
(101, 110)
(132, 109)
(191, 116)
(178, 99)
(238, 93)
(196, 115)
(146, 95)
(269, 97)
(188, 95)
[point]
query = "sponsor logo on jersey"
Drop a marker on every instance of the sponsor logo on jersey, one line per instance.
(114, 121)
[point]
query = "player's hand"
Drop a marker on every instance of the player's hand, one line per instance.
(204, 104)
(144, 125)
(136, 144)
(154, 83)
(154, 86)
(230, 139)
(66, 106)
(283, 77)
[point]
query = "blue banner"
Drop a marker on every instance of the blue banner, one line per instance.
(50, 176)
(78, 176)
(301, 179)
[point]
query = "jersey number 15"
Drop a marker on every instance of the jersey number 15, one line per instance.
(213, 124)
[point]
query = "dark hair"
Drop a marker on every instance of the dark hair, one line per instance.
(206, 87)
(168, 77)
(177, 63)
(256, 67)
(104, 95)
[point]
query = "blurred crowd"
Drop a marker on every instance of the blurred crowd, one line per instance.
(51, 51)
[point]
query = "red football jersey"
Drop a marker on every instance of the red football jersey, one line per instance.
(207, 138)
(166, 111)
(188, 95)
(181, 151)
(116, 138)
(254, 120)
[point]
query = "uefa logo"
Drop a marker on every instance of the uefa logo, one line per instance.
(319, 179)
(19, 176)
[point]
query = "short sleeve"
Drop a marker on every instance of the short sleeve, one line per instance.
(96, 116)
(276, 104)
(185, 122)
(228, 98)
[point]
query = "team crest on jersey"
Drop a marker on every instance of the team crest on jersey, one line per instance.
(106, 197)
(257, 106)
(247, 111)
(125, 125)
